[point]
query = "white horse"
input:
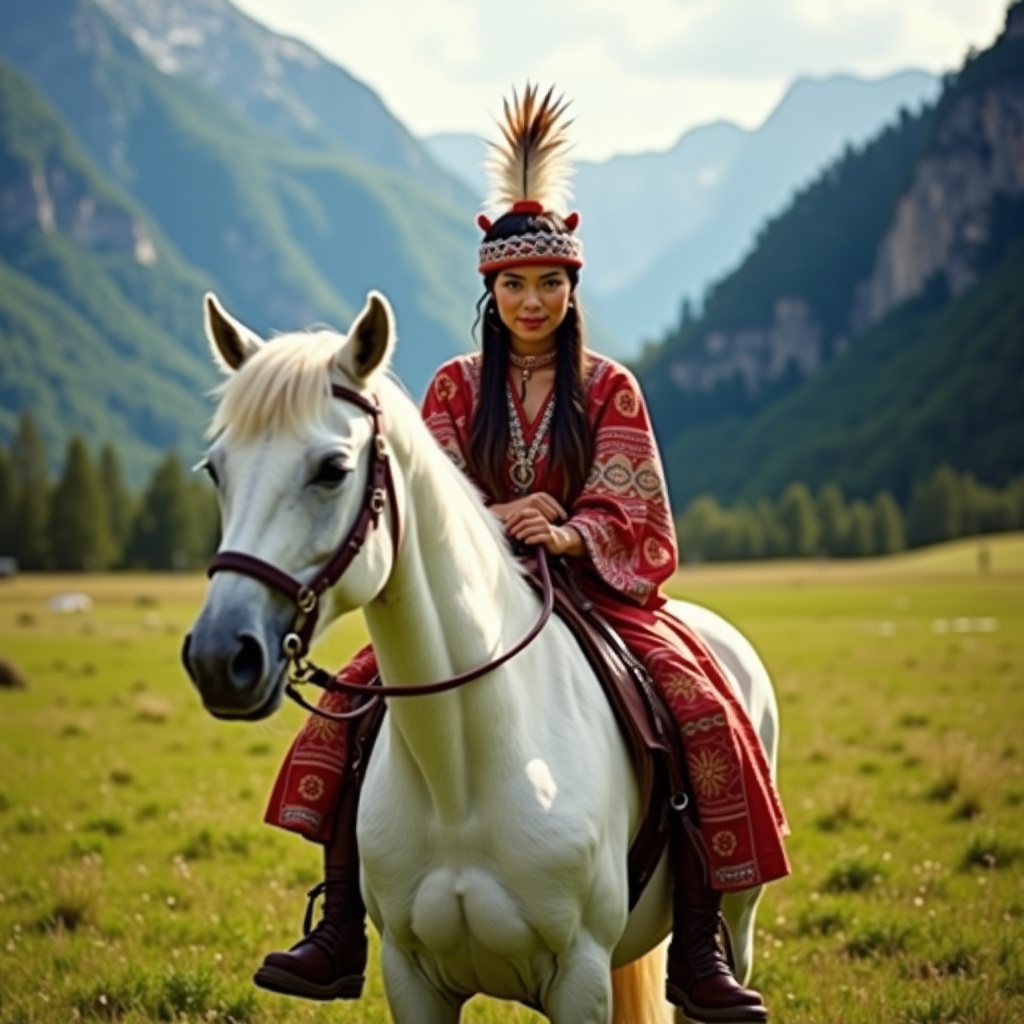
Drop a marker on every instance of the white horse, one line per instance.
(495, 819)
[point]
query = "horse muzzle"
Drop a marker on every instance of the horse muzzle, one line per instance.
(235, 674)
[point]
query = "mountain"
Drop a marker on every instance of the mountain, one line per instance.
(814, 123)
(97, 309)
(280, 84)
(660, 227)
(874, 330)
(291, 235)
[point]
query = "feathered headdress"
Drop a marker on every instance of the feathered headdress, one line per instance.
(529, 173)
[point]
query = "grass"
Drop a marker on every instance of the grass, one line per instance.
(138, 884)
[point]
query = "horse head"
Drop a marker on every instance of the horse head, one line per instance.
(300, 465)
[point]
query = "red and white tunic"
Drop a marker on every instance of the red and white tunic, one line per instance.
(624, 518)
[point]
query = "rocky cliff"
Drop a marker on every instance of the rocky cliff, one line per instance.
(945, 206)
(56, 198)
(756, 355)
(945, 218)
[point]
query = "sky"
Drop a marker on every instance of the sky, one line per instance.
(639, 73)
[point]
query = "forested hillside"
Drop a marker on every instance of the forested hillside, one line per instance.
(278, 83)
(288, 236)
(869, 336)
(98, 312)
(936, 382)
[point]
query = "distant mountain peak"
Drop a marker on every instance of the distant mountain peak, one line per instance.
(278, 83)
(175, 35)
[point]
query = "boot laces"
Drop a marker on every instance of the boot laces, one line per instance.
(333, 933)
(320, 889)
(703, 941)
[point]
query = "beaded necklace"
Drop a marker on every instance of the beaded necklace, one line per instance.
(527, 364)
(523, 473)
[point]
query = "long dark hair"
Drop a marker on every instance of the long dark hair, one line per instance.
(571, 444)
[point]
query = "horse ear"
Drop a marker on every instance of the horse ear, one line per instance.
(370, 340)
(231, 342)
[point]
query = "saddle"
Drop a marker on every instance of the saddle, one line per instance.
(646, 724)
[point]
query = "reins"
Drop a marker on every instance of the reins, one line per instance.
(379, 491)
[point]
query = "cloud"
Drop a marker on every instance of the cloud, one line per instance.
(640, 72)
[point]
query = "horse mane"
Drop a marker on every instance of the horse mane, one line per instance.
(285, 386)
(401, 411)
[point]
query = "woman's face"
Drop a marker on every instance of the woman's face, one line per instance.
(532, 302)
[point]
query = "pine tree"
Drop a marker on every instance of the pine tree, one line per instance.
(986, 509)
(888, 524)
(8, 504)
(119, 502)
(32, 487)
(771, 528)
(1016, 497)
(698, 528)
(833, 516)
(79, 537)
(860, 531)
(799, 520)
(164, 534)
(936, 508)
(753, 541)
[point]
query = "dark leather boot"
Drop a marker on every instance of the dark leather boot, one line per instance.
(329, 962)
(700, 980)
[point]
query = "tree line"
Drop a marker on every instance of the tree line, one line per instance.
(800, 524)
(89, 520)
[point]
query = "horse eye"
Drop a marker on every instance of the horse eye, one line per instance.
(331, 472)
(207, 467)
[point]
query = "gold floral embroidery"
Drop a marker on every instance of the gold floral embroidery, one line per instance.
(444, 387)
(626, 403)
(681, 686)
(311, 787)
(709, 771)
(323, 729)
(724, 843)
(655, 553)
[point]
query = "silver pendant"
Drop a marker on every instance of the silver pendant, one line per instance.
(523, 474)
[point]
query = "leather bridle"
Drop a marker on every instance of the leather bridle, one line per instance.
(378, 493)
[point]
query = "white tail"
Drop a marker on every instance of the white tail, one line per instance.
(638, 991)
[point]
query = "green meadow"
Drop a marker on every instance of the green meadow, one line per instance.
(138, 883)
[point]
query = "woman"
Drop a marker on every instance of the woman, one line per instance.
(558, 441)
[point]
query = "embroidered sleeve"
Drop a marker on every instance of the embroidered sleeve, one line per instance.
(623, 513)
(446, 410)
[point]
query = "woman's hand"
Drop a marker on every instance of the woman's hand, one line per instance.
(529, 526)
(541, 502)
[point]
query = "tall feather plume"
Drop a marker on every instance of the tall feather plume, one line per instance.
(531, 162)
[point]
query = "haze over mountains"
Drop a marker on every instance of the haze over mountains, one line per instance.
(661, 227)
(876, 330)
(277, 83)
(151, 150)
(289, 234)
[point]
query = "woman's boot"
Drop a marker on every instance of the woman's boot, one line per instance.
(329, 962)
(700, 980)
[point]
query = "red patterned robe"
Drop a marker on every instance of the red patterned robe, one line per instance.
(624, 519)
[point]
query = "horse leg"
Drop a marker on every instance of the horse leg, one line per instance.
(411, 997)
(740, 910)
(582, 990)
